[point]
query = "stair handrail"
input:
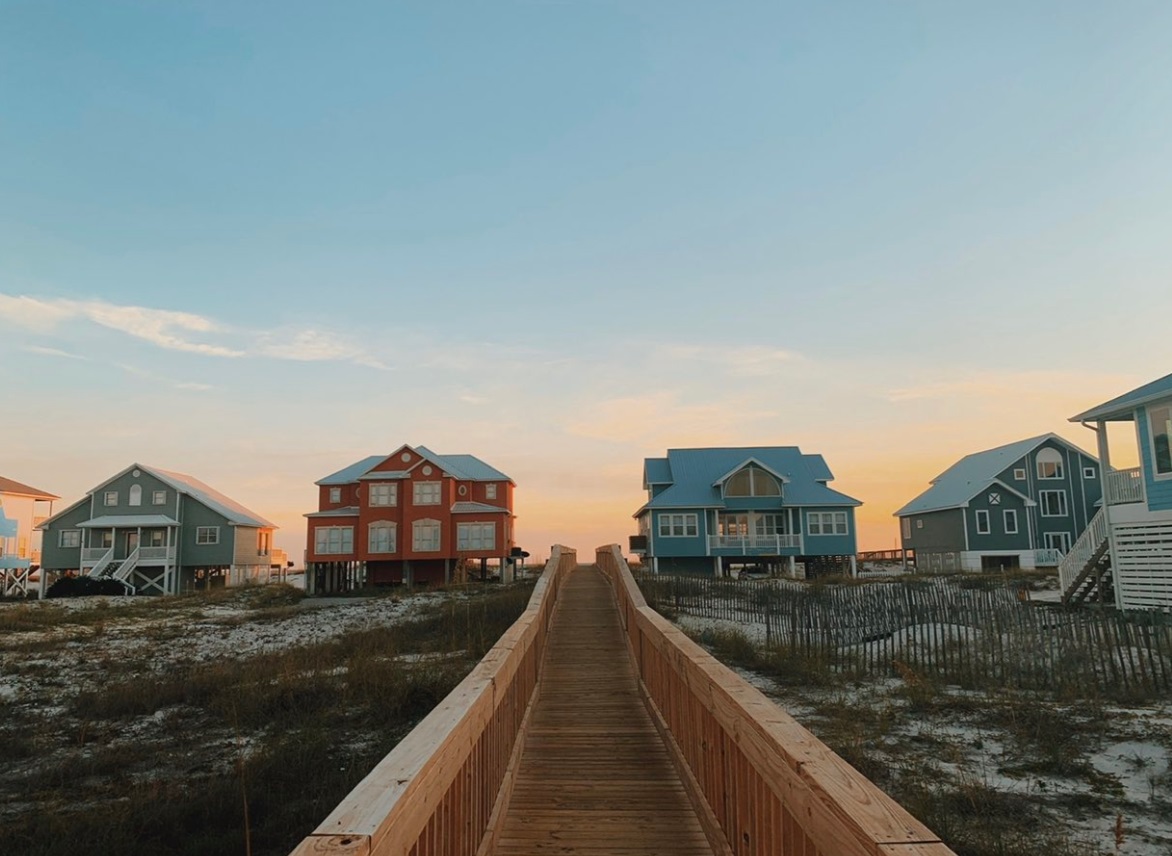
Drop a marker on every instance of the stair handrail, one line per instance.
(102, 564)
(1084, 549)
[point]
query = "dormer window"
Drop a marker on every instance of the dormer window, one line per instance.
(335, 494)
(752, 481)
(1050, 464)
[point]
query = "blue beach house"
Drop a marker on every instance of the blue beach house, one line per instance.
(1125, 555)
(710, 511)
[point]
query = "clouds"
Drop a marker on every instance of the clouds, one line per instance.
(185, 332)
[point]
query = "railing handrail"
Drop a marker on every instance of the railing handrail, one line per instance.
(1125, 486)
(836, 809)
(1084, 548)
(778, 540)
(426, 782)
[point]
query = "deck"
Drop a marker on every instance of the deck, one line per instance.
(595, 777)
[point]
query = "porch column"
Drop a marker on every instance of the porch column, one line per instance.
(655, 564)
(854, 567)
(790, 566)
(447, 571)
(408, 577)
(716, 566)
(1105, 481)
(506, 570)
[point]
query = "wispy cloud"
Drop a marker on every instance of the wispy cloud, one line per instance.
(176, 384)
(53, 352)
(185, 331)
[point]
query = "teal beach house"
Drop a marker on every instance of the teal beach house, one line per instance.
(1021, 505)
(1125, 555)
(157, 532)
(717, 510)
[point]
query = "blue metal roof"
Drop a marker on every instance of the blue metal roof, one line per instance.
(463, 467)
(656, 471)
(1122, 408)
(352, 472)
(692, 473)
(973, 473)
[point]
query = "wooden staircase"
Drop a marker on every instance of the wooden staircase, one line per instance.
(1094, 579)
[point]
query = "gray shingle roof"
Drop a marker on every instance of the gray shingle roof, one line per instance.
(973, 473)
(693, 472)
(1122, 407)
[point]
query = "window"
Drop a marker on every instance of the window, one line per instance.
(69, 538)
(827, 522)
(1019, 473)
(1160, 422)
(982, 522)
(678, 526)
(159, 497)
(1088, 472)
(333, 539)
(335, 494)
(207, 535)
(919, 524)
(381, 537)
(769, 524)
(107, 539)
(1059, 541)
(427, 493)
(263, 542)
(1053, 503)
(994, 498)
(475, 536)
(135, 494)
(110, 498)
(752, 481)
(490, 491)
(1009, 516)
(1050, 464)
(906, 527)
(384, 494)
(156, 538)
(425, 534)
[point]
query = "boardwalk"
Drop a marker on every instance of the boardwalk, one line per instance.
(595, 776)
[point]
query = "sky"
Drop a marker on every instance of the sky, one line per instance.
(257, 242)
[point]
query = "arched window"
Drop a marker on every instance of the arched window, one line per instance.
(1050, 464)
(752, 481)
(136, 494)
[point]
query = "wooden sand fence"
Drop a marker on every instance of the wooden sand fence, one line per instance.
(974, 636)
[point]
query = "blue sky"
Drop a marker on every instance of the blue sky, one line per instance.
(255, 242)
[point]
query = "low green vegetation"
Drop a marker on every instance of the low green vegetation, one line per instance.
(234, 754)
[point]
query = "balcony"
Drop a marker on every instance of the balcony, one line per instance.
(1125, 486)
(156, 555)
(1047, 557)
(756, 545)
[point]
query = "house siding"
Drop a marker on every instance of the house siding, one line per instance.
(1159, 491)
(670, 546)
(997, 539)
(55, 558)
(828, 545)
(942, 531)
(246, 553)
(122, 484)
(196, 514)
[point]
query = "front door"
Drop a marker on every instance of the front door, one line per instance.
(131, 543)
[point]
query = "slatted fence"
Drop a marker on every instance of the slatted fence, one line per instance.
(973, 636)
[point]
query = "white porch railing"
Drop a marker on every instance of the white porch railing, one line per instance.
(155, 554)
(1124, 486)
(100, 562)
(93, 555)
(1047, 557)
(1084, 548)
(757, 544)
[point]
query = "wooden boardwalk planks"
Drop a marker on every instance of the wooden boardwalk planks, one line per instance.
(595, 777)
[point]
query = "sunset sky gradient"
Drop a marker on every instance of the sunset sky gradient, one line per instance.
(257, 242)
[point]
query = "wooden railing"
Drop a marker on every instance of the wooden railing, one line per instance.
(1088, 543)
(767, 786)
(438, 790)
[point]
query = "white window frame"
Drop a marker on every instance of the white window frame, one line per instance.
(490, 491)
(827, 523)
(155, 538)
(159, 497)
(1163, 406)
(377, 542)
(426, 535)
(1019, 473)
(1059, 541)
(906, 527)
(110, 497)
(74, 537)
(1059, 471)
(1065, 507)
(1009, 514)
(207, 535)
(335, 494)
(982, 513)
(476, 536)
(383, 494)
(427, 493)
(333, 540)
(134, 497)
(681, 525)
